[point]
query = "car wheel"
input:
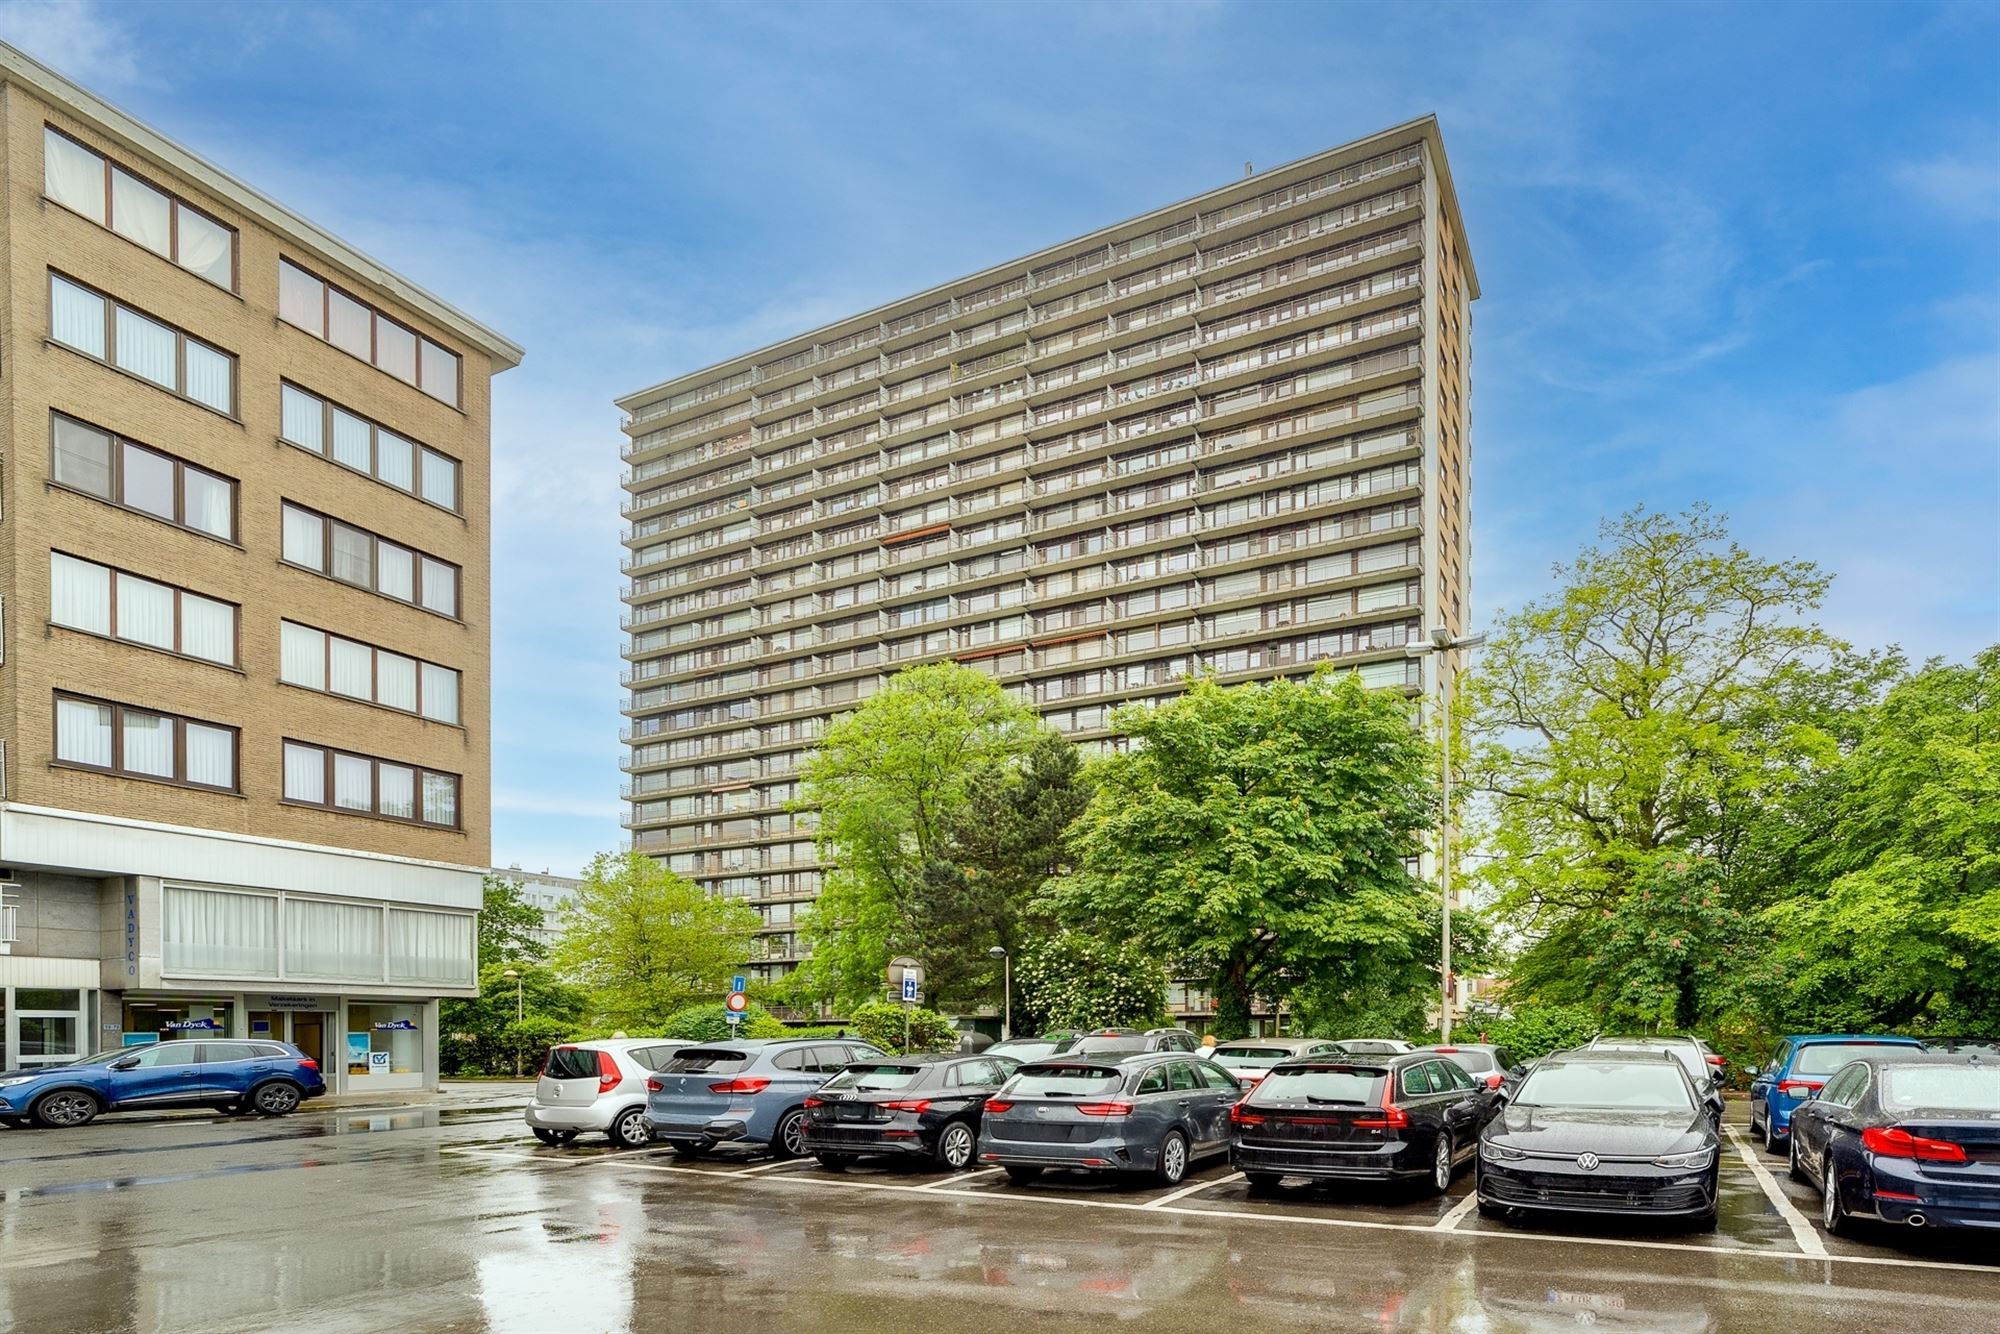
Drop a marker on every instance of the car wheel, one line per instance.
(275, 1099)
(545, 1136)
(1022, 1173)
(65, 1107)
(631, 1130)
(687, 1148)
(1261, 1181)
(1173, 1159)
(1771, 1140)
(1441, 1165)
(835, 1162)
(1833, 1215)
(790, 1141)
(1795, 1169)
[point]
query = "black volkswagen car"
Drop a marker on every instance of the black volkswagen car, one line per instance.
(1604, 1133)
(907, 1106)
(1913, 1139)
(1359, 1118)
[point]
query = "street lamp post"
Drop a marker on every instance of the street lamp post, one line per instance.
(1442, 641)
(1007, 984)
(515, 977)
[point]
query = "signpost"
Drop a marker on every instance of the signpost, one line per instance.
(735, 1004)
(906, 981)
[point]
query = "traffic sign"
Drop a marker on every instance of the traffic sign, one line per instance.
(737, 1002)
(733, 1017)
(909, 988)
(739, 983)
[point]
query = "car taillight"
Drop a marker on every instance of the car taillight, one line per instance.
(1798, 1088)
(918, 1105)
(1445, 1051)
(1238, 1116)
(608, 1077)
(1105, 1108)
(1392, 1118)
(999, 1105)
(1717, 1060)
(740, 1086)
(655, 1086)
(1495, 1081)
(1895, 1142)
(814, 1102)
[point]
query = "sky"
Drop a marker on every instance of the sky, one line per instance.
(1748, 255)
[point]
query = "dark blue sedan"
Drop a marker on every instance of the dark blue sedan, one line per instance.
(269, 1078)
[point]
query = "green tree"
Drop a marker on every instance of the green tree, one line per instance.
(482, 1036)
(1533, 1031)
(644, 942)
(884, 1025)
(887, 781)
(1071, 979)
(508, 923)
(710, 1023)
(1259, 834)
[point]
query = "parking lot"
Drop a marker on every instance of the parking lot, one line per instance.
(447, 1216)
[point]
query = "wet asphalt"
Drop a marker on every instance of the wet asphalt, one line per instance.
(447, 1216)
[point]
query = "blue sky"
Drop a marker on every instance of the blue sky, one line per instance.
(1748, 255)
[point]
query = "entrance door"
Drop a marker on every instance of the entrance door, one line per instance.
(309, 1036)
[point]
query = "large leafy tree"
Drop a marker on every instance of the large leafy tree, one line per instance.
(1257, 836)
(891, 782)
(1071, 979)
(644, 942)
(508, 923)
(510, 1020)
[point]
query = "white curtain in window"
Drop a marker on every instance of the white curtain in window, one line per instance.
(301, 655)
(353, 783)
(80, 594)
(206, 931)
(396, 350)
(440, 480)
(207, 248)
(149, 744)
(350, 441)
(350, 325)
(305, 773)
(206, 503)
(76, 317)
(396, 572)
(440, 693)
(440, 373)
(144, 348)
(73, 175)
(441, 799)
(332, 940)
(353, 671)
(301, 298)
(396, 790)
(440, 587)
(145, 612)
(83, 732)
(396, 681)
(431, 947)
(392, 460)
(305, 538)
(210, 377)
(148, 482)
(141, 212)
(208, 629)
(211, 754)
(304, 419)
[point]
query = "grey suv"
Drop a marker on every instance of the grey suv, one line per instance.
(751, 1092)
(1152, 1112)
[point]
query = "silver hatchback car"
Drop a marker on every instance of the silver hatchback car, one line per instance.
(598, 1086)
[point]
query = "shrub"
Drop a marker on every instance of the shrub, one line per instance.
(1534, 1031)
(881, 1023)
(1077, 980)
(709, 1023)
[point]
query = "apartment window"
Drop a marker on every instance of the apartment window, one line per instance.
(81, 179)
(84, 595)
(351, 440)
(140, 743)
(357, 328)
(356, 556)
(363, 785)
(87, 321)
(136, 477)
(317, 660)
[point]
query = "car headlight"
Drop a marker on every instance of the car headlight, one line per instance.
(1500, 1153)
(1698, 1159)
(17, 1079)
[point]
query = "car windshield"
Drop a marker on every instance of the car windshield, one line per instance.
(1640, 1086)
(1690, 1057)
(107, 1056)
(1355, 1085)
(1065, 1081)
(570, 1063)
(1237, 1058)
(1109, 1042)
(1476, 1062)
(874, 1078)
(1021, 1051)
(706, 1061)
(1952, 1088)
(1823, 1058)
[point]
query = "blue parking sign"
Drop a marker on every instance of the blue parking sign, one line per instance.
(739, 983)
(909, 986)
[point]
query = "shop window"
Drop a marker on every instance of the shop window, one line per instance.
(384, 1040)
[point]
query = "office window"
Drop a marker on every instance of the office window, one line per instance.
(143, 743)
(351, 440)
(356, 556)
(84, 180)
(355, 327)
(141, 478)
(361, 784)
(84, 595)
(106, 330)
(317, 660)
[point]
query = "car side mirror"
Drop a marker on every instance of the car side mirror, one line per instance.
(1519, 1070)
(125, 1063)
(1753, 1070)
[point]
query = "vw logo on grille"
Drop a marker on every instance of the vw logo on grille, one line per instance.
(1587, 1161)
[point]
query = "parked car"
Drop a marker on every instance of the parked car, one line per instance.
(750, 1092)
(904, 1106)
(598, 1087)
(1493, 1065)
(256, 1075)
(1374, 1046)
(1799, 1068)
(1100, 1041)
(1912, 1139)
(1986, 1049)
(1601, 1132)
(1687, 1051)
(1152, 1112)
(1249, 1058)
(1383, 1118)
(1025, 1049)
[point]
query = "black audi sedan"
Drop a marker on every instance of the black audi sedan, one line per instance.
(1601, 1132)
(908, 1106)
(1359, 1118)
(1911, 1139)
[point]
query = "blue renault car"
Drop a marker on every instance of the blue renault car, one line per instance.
(751, 1092)
(1799, 1069)
(269, 1078)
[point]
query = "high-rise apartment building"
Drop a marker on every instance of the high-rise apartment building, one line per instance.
(244, 635)
(1227, 436)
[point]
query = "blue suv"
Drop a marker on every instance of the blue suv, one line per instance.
(1799, 1069)
(269, 1078)
(752, 1092)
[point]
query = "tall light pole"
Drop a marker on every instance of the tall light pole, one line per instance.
(1442, 641)
(515, 977)
(1007, 984)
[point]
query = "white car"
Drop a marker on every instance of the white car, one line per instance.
(598, 1086)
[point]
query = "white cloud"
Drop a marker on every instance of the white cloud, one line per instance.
(77, 38)
(1963, 188)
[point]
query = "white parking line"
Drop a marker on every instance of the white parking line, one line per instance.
(475, 1152)
(1803, 1231)
(777, 1166)
(1195, 1189)
(962, 1178)
(1450, 1221)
